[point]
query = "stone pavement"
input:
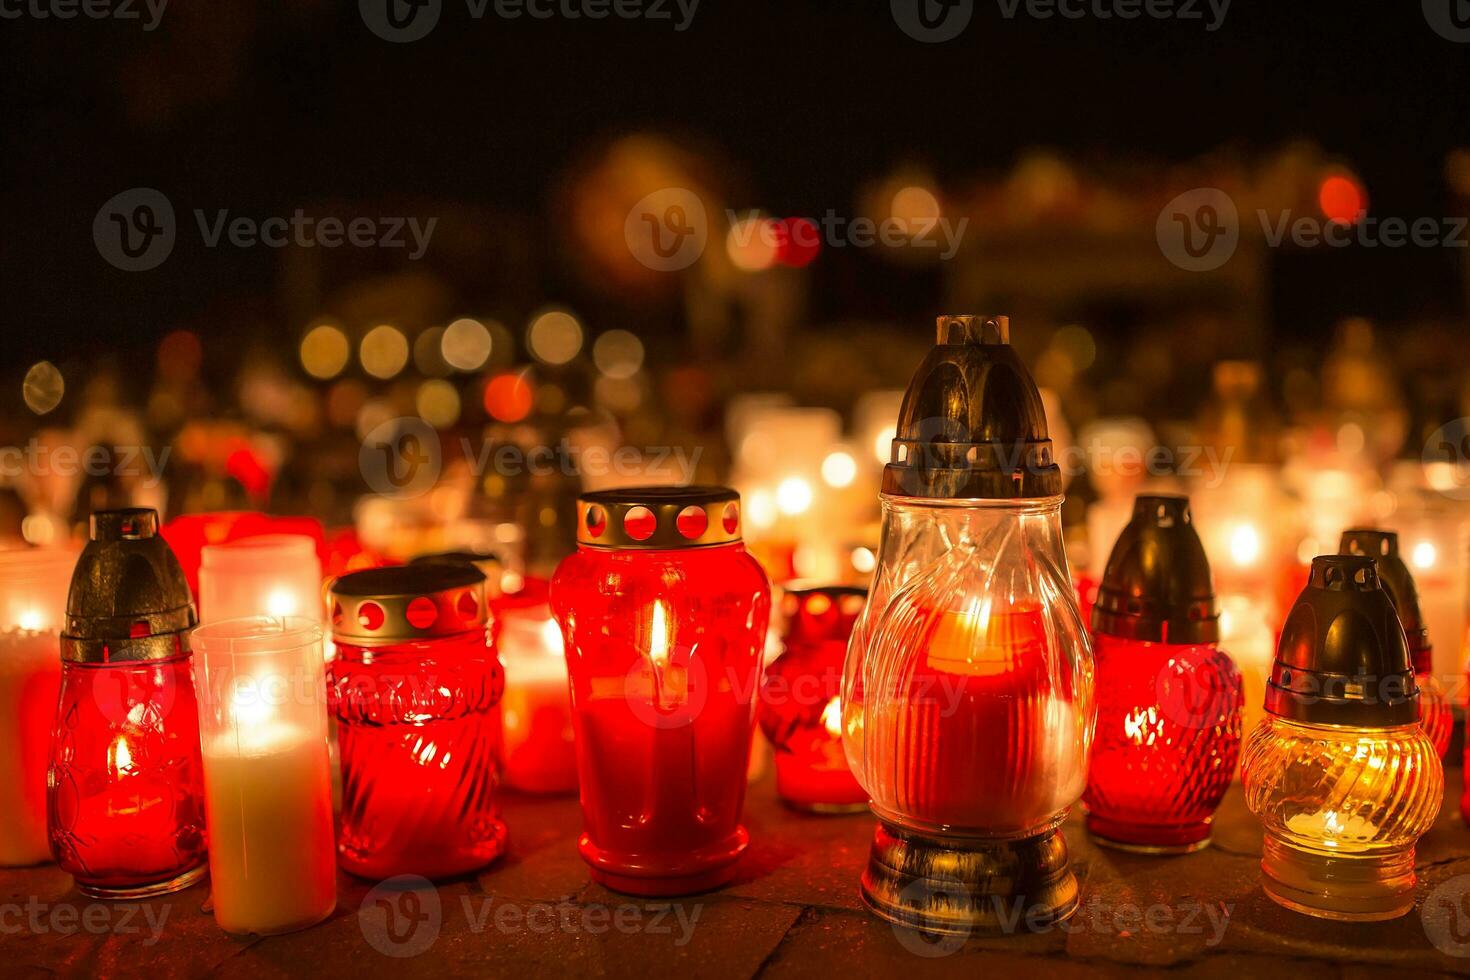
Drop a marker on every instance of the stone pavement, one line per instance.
(793, 911)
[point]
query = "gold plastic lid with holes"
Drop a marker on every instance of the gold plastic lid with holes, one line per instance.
(384, 606)
(129, 600)
(658, 518)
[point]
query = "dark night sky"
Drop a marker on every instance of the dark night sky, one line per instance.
(810, 97)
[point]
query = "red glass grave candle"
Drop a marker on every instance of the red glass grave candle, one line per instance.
(125, 803)
(413, 688)
(1168, 699)
(801, 705)
(664, 616)
(1383, 547)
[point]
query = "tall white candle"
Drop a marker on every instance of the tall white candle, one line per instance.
(267, 778)
(271, 856)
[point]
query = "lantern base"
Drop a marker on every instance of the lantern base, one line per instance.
(1348, 888)
(959, 885)
(120, 893)
(1149, 838)
(700, 870)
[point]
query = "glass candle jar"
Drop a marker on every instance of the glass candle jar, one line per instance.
(539, 743)
(125, 799)
(1168, 699)
(801, 702)
(267, 779)
(968, 688)
(664, 616)
(1340, 772)
(273, 575)
(33, 586)
(1434, 705)
(413, 686)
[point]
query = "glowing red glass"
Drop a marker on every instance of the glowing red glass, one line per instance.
(126, 798)
(801, 706)
(418, 745)
(1166, 743)
(664, 649)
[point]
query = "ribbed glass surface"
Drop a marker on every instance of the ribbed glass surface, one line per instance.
(1342, 790)
(968, 690)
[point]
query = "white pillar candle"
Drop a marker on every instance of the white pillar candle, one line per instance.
(537, 743)
(33, 588)
(267, 779)
(272, 575)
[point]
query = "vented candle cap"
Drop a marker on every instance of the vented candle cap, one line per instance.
(1383, 548)
(1157, 585)
(405, 603)
(129, 600)
(658, 518)
(972, 425)
(1343, 658)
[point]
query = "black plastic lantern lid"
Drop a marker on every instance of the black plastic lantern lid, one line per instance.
(1383, 547)
(129, 600)
(1157, 585)
(1343, 658)
(972, 424)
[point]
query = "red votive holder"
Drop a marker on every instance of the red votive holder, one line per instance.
(801, 703)
(1168, 699)
(413, 687)
(664, 615)
(126, 795)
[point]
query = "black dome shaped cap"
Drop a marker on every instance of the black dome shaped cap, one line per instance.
(1343, 658)
(1157, 586)
(972, 425)
(1383, 548)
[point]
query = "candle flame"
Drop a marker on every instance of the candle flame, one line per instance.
(249, 709)
(551, 637)
(1424, 555)
(658, 643)
(280, 603)
(832, 717)
(31, 619)
(122, 756)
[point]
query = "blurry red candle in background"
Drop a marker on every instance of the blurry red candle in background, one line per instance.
(1168, 700)
(126, 798)
(664, 616)
(801, 707)
(413, 687)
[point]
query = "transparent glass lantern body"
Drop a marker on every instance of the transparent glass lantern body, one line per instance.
(968, 690)
(1343, 809)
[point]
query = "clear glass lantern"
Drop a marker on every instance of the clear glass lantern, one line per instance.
(968, 690)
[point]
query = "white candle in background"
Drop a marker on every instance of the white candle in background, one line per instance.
(537, 746)
(271, 575)
(33, 588)
(267, 779)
